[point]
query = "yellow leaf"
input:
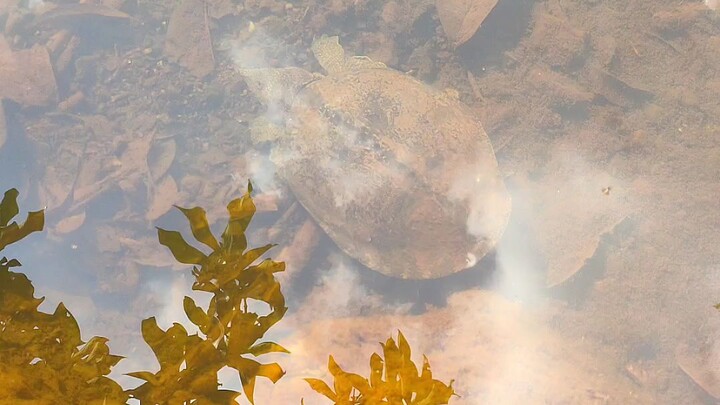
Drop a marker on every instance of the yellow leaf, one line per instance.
(183, 252)
(200, 226)
(321, 387)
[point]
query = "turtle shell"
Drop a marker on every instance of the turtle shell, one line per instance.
(401, 177)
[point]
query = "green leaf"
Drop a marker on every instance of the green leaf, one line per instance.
(200, 226)
(9, 207)
(183, 252)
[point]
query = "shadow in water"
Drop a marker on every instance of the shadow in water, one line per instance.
(501, 31)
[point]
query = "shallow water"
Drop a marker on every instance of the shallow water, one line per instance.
(604, 120)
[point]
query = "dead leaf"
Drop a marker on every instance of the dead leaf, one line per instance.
(220, 8)
(145, 252)
(103, 171)
(266, 202)
(165, 195)
(27, 76)
(7, 5)
(61, 141)
(701, 368)
(70, 224)
(569, 213)
(461, 18)
(188, 40)
(73, 13)
(161, 157)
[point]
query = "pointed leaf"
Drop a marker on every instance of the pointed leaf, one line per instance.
(343, 385)
(321, 387)
(267, 347)
(241, 211)
(9, 207)
(272, 372)
(34, 222)
(196, 314)
(169, 345)
(376, 370)
(403, 345)
(183, 252)
(247, 371)
(200, 226)
(145, 375)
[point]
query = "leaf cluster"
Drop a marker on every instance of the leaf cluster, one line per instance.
(394, 380)
(44, 361)
(230, 331)
(42, 357)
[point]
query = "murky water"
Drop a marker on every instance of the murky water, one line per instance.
(603, 117)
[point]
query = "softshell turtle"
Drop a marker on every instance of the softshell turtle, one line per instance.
(402, 177)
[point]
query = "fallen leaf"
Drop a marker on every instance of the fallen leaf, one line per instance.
(221, 8)
(267, 202)
(70, 224)
(147, 252)
(161, 157)
(27, 76)
(74, 13)
(165, 195)
(61, 141)
(125, 171)
(701, 368)
(6, 5)
(461, 18)
(568, 212)
(188, 40)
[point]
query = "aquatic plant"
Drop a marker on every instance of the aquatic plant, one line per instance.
(189, 363)
(44, 361)
(394, 380)
(42, 358)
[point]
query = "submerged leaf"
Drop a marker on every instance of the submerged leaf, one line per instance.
(241, 211)
(231, 330)
(267, 347)
(9, 207)
(321, 387)
(400, 384)
(183, 252)
(34, 222)
(200, 226)
(460, 19)
(195, 314)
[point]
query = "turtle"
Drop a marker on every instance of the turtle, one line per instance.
(402, 177)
